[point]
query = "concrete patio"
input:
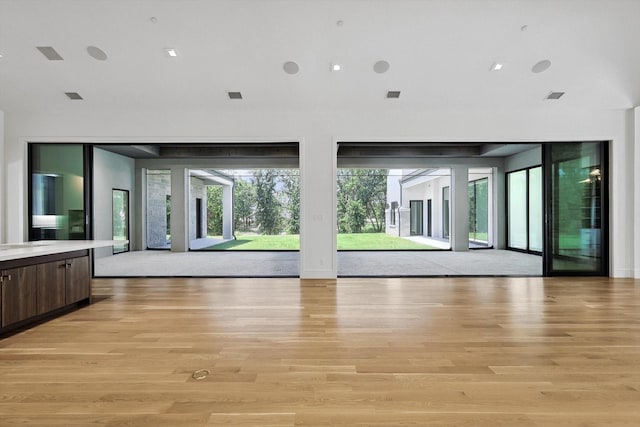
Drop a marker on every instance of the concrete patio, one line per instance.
(487, 262)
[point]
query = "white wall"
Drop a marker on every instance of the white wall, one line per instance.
(318, 133)
(634, 129)
(523, 160)
(110, 171)
(3, 170)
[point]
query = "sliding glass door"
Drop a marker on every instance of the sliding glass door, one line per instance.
(416, 217)
(576, 183)
(524, 210)
(120, 220)
(479, 210)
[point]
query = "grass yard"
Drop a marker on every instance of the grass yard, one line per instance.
(291, 242)
(286, 242)
(366, 241)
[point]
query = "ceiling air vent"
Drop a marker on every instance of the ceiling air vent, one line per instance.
(50, 53)
(555, 95)
(393, 94)
(73, 95)
(234, 95)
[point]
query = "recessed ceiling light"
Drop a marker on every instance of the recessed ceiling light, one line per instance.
(336, 67)
(555, 95)
(541, 66)
(393, 94)
(96, 53)
(524, 28)
(340, 23)
(0, 55)
(153, 20)
(49, 53)
(497, 66)
(291, 67)
(73, 96)
(381, 67)
(171, 52)
(234, 95)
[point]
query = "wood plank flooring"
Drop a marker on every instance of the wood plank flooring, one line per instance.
(374, 352)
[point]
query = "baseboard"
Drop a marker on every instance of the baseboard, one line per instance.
(318, 274)
(625, 273)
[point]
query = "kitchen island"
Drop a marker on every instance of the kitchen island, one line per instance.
(42, 279)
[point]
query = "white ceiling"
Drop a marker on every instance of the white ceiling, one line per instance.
(440, 53)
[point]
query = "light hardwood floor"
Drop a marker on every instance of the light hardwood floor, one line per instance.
(378, 352)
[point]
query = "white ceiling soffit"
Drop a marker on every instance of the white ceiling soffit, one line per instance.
(439, 54)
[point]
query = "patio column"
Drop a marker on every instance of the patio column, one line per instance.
(459, 208)
(179, 209)
(227, 211)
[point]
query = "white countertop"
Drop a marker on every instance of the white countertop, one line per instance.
(11, 251)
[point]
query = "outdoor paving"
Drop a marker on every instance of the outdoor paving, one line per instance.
(286, 264)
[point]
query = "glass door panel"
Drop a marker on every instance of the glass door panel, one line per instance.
(576, 243)
(416, 207)
(517, 210)
(535, 209)
(120, 220)
(479, 210)
(445, 212)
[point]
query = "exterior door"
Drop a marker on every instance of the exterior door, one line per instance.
(416, 214)
(199, 219)
(576, 199)
(429, 218)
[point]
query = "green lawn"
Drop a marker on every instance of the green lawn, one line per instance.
(287, 242)
(361, 241)
(364, 241)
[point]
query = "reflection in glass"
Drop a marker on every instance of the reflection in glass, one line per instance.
(57, 192)
(576, 187)
(479, 210)
(517, 209)
(416, 215)
(535, 209)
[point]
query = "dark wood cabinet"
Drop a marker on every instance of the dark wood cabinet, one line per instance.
(37, 287)
(78, 282)
(18, 294)
(51, 286)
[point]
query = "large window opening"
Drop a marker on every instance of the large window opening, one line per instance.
(246, 209)
(384, 209)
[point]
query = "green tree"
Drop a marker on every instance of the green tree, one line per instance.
(268, 209)
(291, 185)
(244, 202)
(214, 210)
(362, 197)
